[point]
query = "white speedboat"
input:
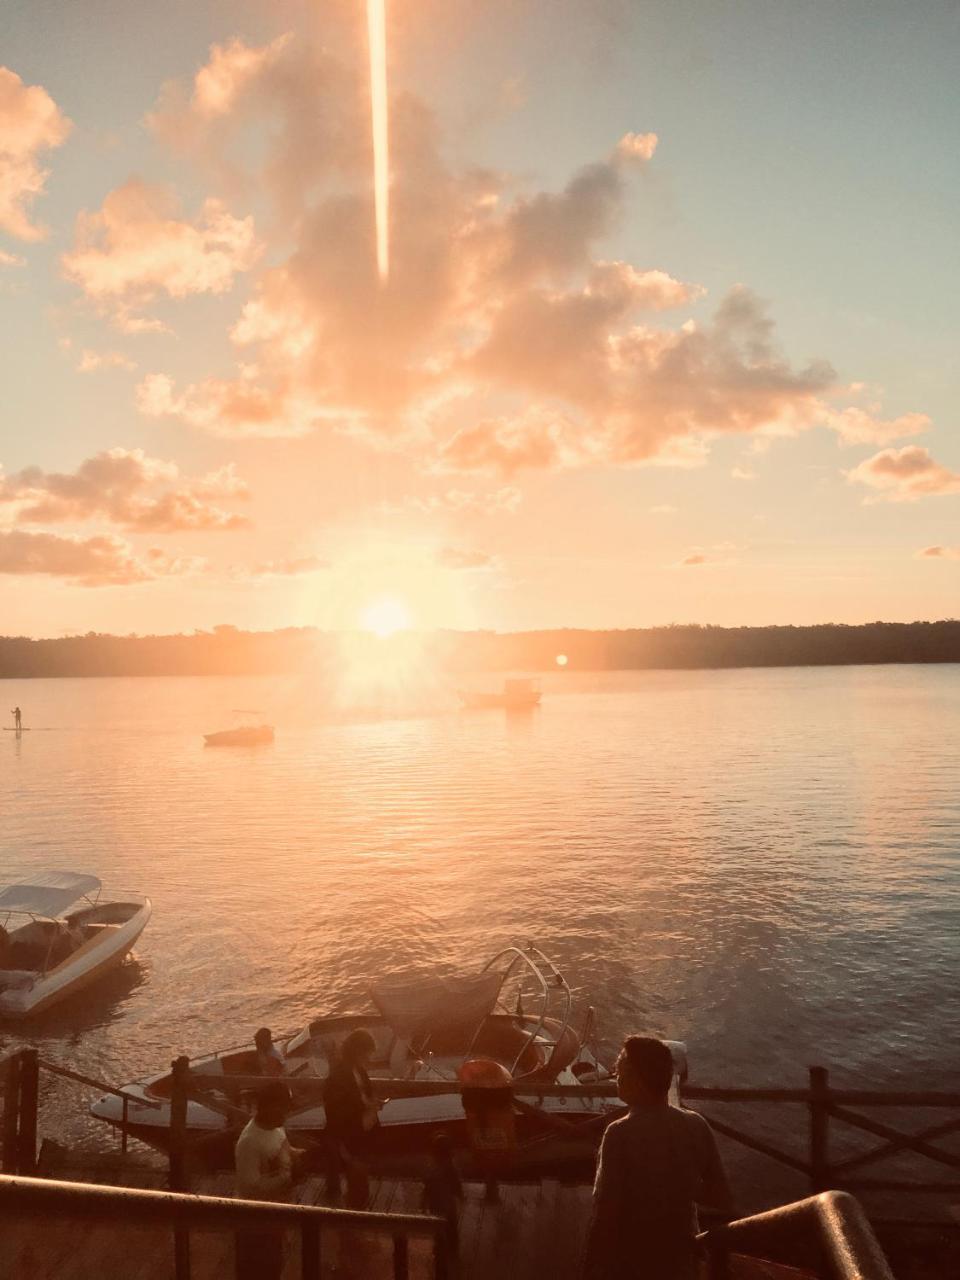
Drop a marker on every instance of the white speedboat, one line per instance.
(58, 935)
(516, 1011)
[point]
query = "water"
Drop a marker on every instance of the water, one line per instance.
(761, 863)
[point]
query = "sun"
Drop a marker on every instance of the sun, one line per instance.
(386, 616)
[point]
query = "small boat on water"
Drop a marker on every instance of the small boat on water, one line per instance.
(517, 694)
(253, 733)
(58, 935)
(515, 1011)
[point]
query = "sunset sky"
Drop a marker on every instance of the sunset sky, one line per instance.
(669, 331)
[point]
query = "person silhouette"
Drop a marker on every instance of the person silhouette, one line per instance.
(17, 718)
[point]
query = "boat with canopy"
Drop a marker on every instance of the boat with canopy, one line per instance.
(515, 1011)
(58, 935)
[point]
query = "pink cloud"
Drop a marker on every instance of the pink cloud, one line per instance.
(101, 561)
(30, 123)
(696, 557)
(939, 553)
(463, 502)
(90, 361)
(861, 426)
(498, 300)
(228, 408)
(536, 440)
(119, 486)
(904, 475)
(286, 567)
(11, 259)
(457, 558)
(136, 249)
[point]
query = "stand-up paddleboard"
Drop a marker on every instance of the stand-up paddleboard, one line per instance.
(25, 729)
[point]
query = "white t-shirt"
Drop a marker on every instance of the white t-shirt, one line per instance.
(263, 1162)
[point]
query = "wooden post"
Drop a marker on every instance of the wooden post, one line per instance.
(310, 1261)
(401, 1259)
(819, 1129)
(11, 1113)
(179, 1072)
(29, 1103)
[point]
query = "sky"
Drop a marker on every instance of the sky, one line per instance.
(668, 333)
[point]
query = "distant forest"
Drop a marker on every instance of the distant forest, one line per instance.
(229, 651)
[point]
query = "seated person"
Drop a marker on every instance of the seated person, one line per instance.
(269, 1057)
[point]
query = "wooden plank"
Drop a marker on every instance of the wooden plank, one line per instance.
(471, 1220)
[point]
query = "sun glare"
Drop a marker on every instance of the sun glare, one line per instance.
(386, 616)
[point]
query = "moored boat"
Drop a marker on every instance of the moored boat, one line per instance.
(515, 1011)
(517, 694)
(251, 732)
(58, 935)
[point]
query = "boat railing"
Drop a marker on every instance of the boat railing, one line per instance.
(551, 983)
(47, 1199)
(830, 1228)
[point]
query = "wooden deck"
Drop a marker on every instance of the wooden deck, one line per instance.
(534, 1230)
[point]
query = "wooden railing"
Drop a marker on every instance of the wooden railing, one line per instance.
(829, 1231)
(44, 1198)
(826, 1107)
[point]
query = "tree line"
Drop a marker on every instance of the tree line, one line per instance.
(227, 650)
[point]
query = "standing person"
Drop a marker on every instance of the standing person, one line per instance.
(265, 1167)
(269, 1057)
(17, 719)
(656, 1165)
(352, 1112)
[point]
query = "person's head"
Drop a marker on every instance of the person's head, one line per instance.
(358, 1048)
(273, 1105)
(263, 1040)
(644, 1071)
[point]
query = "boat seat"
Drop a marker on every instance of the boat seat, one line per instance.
(213, 1068)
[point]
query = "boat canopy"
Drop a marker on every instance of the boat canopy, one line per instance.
(48, 893)
(415, 1007)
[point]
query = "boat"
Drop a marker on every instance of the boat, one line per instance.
(58, 935)
(516, 1011)
(517, 694)
(252, 734)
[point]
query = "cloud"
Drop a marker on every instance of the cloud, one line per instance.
(743, 473)
(455, 558)
(101, 561)
(462, 501)
(537, 440)
(228, 408)
(499, 300)
(288, 567)
(939, 553)
(30, 122)
(860, 426)
(695, 557)
(663, 509)
(136, 249)
(90, 361)
(904, 475)
(119, 486)
(11, 259)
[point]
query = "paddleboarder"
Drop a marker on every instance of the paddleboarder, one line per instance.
(17, 719)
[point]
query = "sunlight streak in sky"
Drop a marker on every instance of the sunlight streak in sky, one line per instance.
(377, 31)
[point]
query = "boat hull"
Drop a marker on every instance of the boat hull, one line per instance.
(239, 737)
(88, 966)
